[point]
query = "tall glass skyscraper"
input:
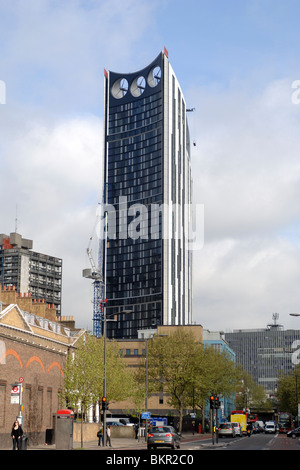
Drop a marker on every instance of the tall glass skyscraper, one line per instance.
(147, 196)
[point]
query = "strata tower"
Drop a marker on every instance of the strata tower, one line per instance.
(147, 201)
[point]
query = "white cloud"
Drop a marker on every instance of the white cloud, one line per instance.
(247, 175)
(246, 164)
(53, 176)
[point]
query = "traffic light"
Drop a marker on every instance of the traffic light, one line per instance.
(104, 403)
(214, 402)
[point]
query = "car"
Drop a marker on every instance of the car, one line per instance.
(226, 430)
(270, 427)
(256, 428)
(293, 433)
(237, 429)
(163, 436)
(114, 423)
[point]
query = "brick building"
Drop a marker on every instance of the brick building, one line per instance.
(33, 346)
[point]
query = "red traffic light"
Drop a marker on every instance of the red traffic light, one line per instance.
(104, 403)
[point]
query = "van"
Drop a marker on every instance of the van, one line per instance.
(237, 429)
(270, 427)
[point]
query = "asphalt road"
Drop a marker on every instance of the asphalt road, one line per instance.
(257, 442)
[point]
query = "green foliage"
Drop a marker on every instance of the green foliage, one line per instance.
(84, 374)
(288, 392)
(187, 371)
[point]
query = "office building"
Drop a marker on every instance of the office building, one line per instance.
(265, 353)
(147, 195)
(30, 272)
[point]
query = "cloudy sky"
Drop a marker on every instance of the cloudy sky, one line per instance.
(237, 62)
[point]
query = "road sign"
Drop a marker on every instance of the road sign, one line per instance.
(146, 415)
(15, 394)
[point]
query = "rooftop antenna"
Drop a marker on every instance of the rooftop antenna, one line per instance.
(16, 219)
(275, 317)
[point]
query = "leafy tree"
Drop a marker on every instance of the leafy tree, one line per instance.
(288, 392)
(171, 364)
(249, 394)
(187, 371)
(84, 375)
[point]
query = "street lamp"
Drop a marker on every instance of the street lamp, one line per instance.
(105, 320)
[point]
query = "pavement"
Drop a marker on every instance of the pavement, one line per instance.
(121, 443)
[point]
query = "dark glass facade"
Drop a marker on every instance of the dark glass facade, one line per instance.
(134, 178)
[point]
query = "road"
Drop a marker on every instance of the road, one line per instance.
(255, 442)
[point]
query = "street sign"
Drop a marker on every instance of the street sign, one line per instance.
(146, 415)
(15, 394)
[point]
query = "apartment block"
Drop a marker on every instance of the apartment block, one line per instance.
(29, 271)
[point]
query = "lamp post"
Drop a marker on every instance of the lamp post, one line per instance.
(296, 378)
(147, 379)
(104, 402)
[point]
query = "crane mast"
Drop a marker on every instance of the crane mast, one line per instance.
(95, 273)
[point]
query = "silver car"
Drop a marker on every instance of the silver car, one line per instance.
(226, 430)
(163, 436)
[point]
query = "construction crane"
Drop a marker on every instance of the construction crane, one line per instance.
(96, 274)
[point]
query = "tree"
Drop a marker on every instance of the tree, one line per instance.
(288, 391)
(84, 375)
(171, 364)
(187, 371)
(249, 394)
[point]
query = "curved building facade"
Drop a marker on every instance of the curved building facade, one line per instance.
(147, 195)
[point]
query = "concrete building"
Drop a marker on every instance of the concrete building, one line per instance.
(147, 199)
(29, 271)
(33, 350)
(265, 353)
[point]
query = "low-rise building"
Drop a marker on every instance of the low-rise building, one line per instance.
(33, 349)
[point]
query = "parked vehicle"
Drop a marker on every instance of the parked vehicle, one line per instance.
(237, 429)
(163, 436)
(226, 430)
(122, 421)
(293, 433)
(114, 423)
